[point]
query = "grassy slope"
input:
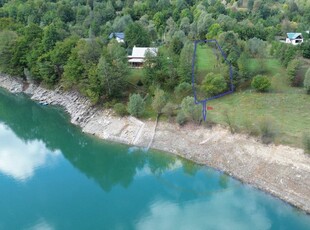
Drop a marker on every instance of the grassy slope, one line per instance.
(289, 107)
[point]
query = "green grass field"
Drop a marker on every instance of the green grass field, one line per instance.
(287, 106)
(208, 62)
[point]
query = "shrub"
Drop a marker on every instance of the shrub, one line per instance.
(261, 83)
(306, 142)
(307, 81)
(214, 84)
(229, 120)
(181, 118)
(182, 90)
(139, 83)
(159, 101)
(169, 109)
(135, 105)
(191, 110)
(268, 130)
(291, 70)
(120, 109)
(305, 47)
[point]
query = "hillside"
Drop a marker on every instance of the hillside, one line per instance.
(69, 44)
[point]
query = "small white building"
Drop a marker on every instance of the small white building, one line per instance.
(137, 58)
(120, 37)
(294, 38)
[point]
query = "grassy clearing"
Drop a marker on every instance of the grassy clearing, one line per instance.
(205, 58)
(288, 107)
(289, 110)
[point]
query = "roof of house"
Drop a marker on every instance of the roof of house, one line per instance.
(117, 35)
(136, 60)
(139, 52)
(293, 36)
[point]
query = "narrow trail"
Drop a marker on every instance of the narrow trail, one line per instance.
(154, 132)
(138, 135)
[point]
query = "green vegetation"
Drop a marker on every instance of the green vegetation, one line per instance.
(120, 109)
(159, 101)
(214, 84)
(261, 83)
(66, 43)
(189, 111)
(307, 81)
(136, 105)
(267, 129)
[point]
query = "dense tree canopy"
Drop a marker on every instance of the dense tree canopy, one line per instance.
(67, 41)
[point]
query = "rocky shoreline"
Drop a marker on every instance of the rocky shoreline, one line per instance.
(279, 170)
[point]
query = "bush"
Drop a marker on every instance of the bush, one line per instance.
(229, 120)
(120, 109)
(307, 81)
(169, 109)
(182, 90)
(181, 118)
(306, 142)
(191, 111)
(139, 83)
(159, 101)
(268, 130)
(214, 84)
(292, 69)
(135, 105)
(261, 83)
(305, 49)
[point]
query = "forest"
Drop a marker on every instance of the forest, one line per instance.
(67, 44)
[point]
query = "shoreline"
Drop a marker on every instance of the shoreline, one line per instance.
(281, 171)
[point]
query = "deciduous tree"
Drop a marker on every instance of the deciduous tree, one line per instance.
(136, 105)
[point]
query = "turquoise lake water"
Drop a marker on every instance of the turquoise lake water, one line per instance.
(52, 176)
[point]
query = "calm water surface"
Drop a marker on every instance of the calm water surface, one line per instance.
(52, 176)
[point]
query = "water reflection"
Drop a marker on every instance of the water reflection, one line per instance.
(41, 225)
(43, 128)
(223, 211)
(20, 159)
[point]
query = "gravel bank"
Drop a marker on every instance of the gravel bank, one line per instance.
(280, 170)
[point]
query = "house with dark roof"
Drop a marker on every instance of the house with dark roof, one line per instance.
(137, 58)
(294, 38)
(120, 37)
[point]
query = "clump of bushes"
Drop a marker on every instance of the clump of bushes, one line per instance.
(120, 109)
(268, 130)
(261, 83)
